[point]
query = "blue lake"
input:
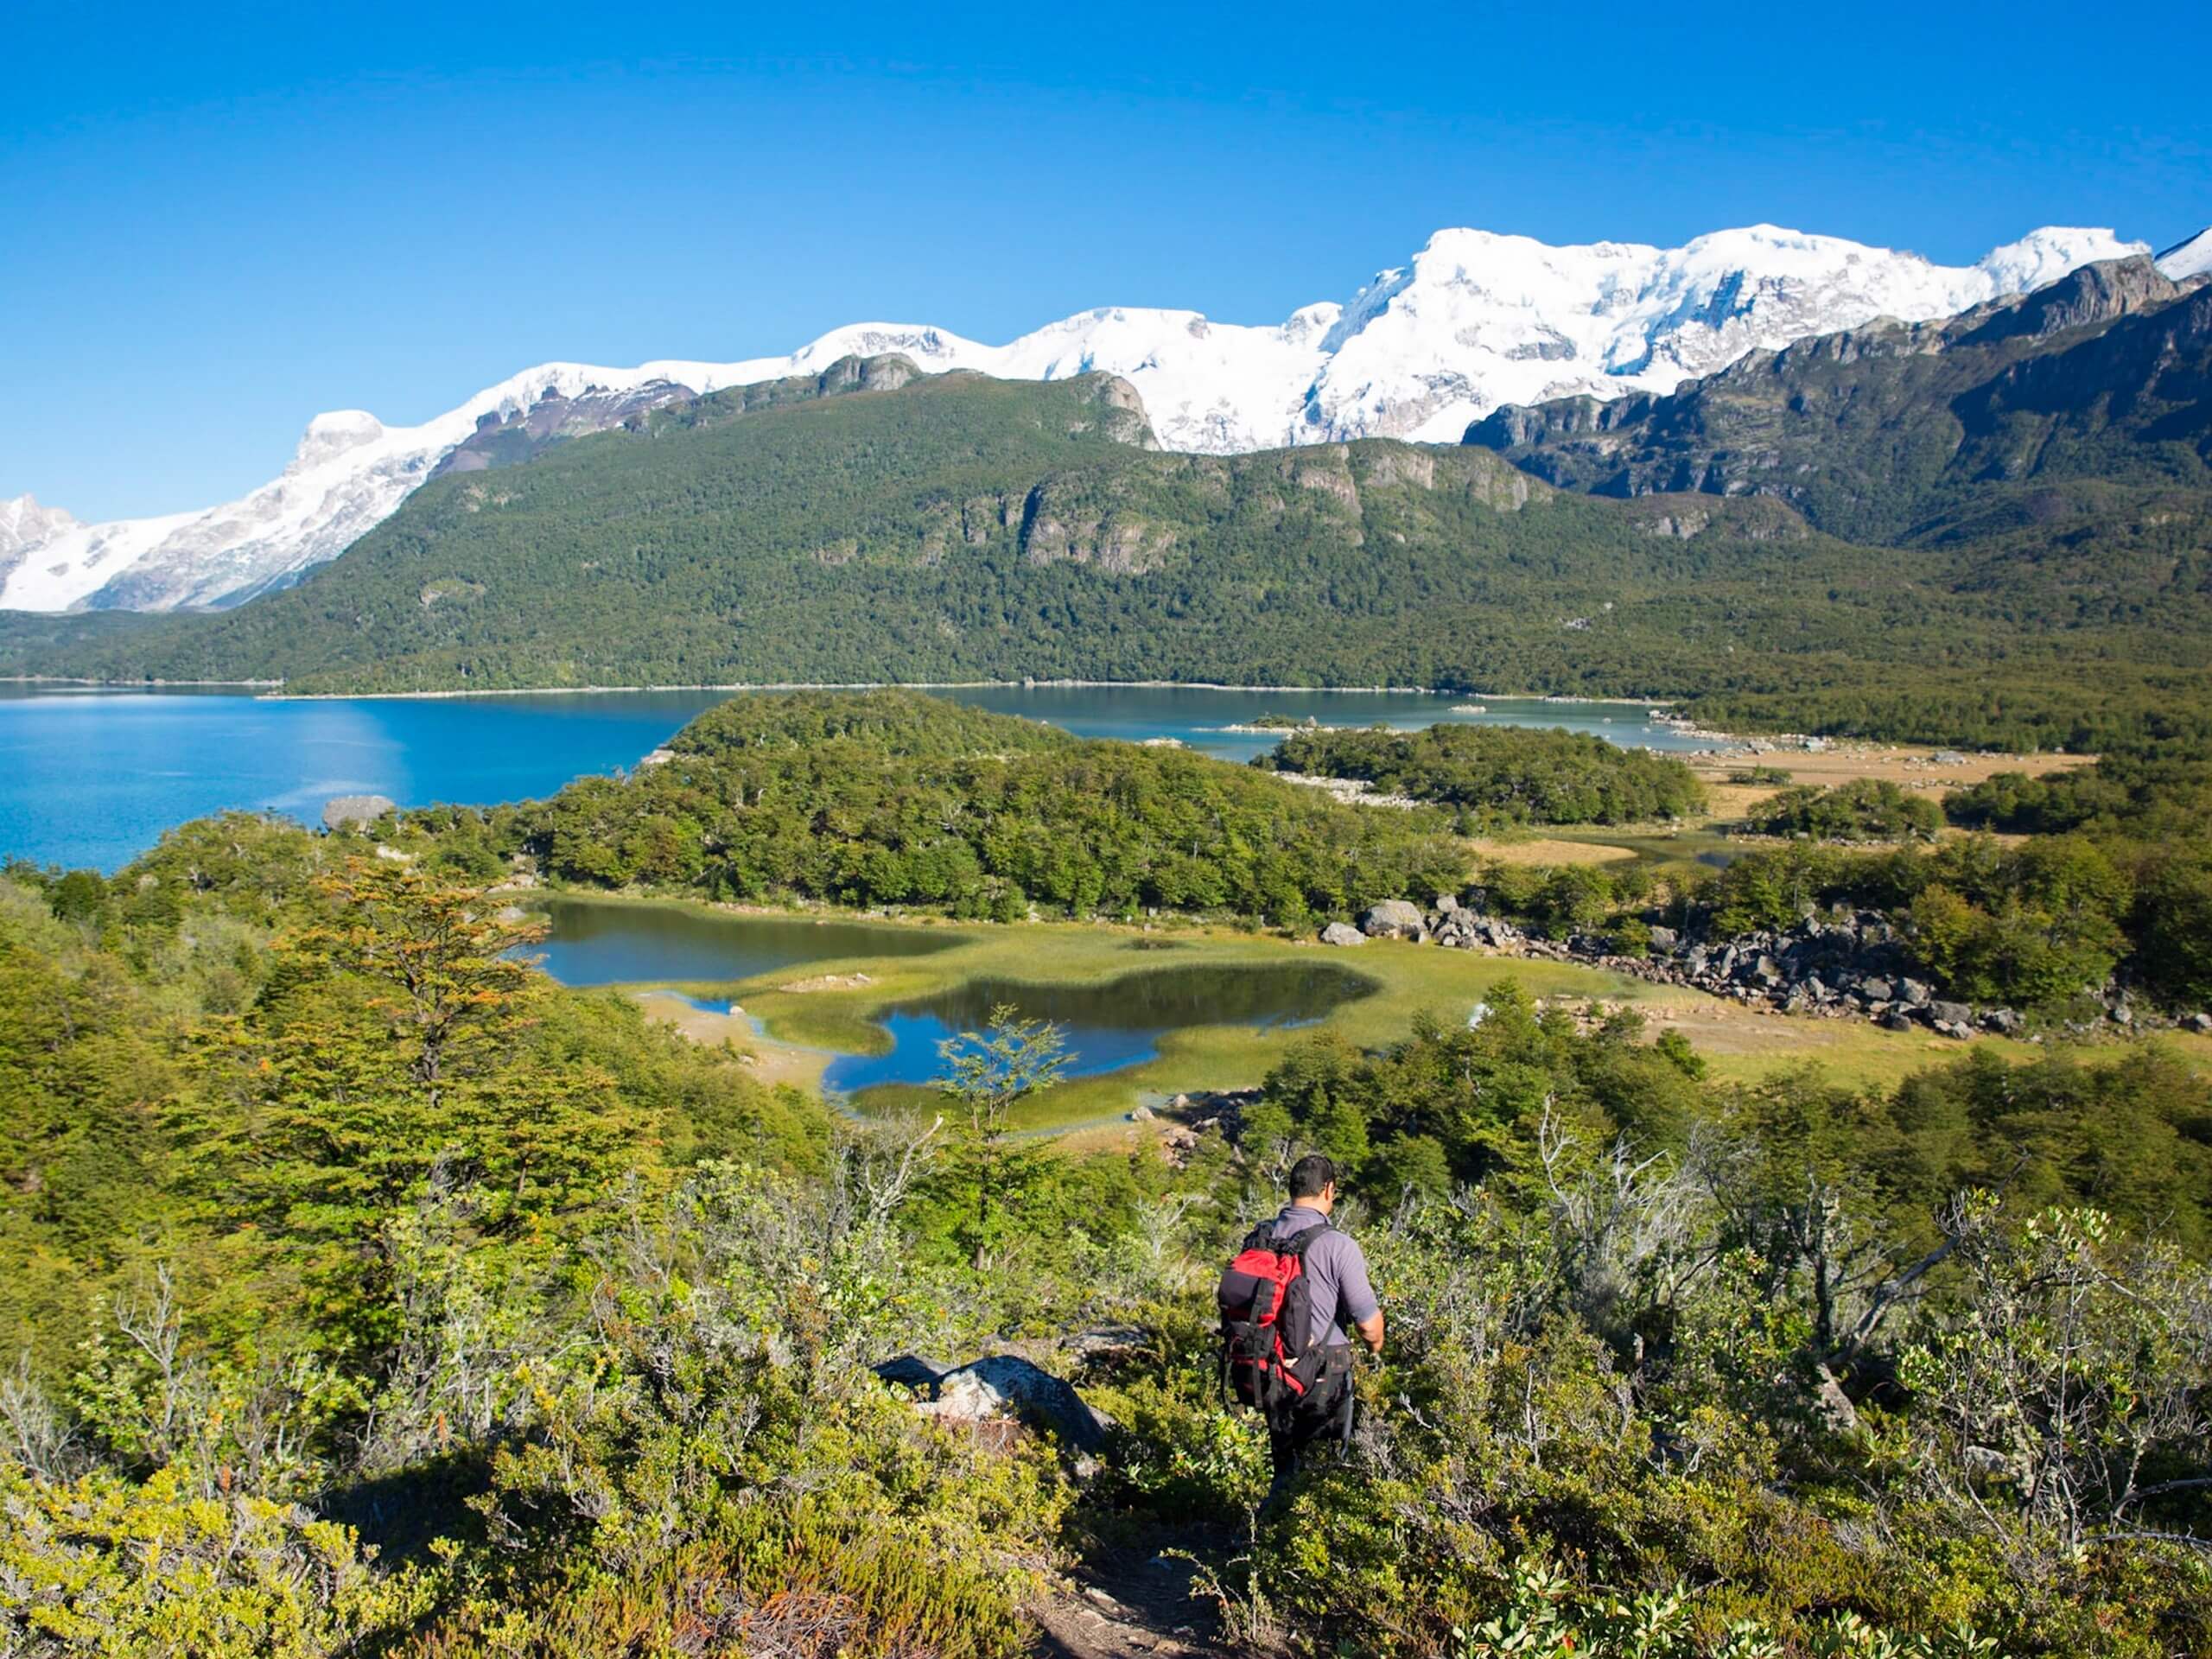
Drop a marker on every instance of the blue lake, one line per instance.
(93, 777)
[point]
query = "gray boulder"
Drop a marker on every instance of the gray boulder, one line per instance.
(1001, 1386)
(1950, 1014)
(1393, 918)
(1342, 933)
(355, 811)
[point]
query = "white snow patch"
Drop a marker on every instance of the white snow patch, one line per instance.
(2187, 259)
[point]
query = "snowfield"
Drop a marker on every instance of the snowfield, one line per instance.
(1474, 320)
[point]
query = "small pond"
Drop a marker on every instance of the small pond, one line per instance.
(1108, 1026)
(595, 942)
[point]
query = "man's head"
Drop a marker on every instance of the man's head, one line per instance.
(1313, 1182)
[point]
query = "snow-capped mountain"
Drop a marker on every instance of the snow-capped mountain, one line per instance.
(1475, 320)
(2187, 259)
(25, 523)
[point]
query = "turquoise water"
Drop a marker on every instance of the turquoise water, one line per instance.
(93, 778)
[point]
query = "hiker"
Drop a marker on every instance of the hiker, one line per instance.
(1284, 1301)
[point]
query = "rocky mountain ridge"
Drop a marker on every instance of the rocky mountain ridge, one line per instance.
(1892, 430)
(1474, 319)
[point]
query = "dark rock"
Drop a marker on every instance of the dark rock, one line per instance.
(913, 1372)
(1896, 1021)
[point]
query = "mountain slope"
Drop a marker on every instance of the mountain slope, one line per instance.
(2190, 259)
(1472, 321)
(958, 527)
(1900, 432)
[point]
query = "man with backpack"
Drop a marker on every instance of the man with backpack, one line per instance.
(1284, 1301)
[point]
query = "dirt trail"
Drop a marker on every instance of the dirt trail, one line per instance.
(1126, 1604)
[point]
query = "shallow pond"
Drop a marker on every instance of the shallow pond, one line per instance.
(1106, 1026)
(594, 942)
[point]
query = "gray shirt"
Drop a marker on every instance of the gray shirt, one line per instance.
(1336, 1271)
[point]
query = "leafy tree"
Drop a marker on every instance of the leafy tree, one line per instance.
(988, 1075)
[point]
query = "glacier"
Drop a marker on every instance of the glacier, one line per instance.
(1474, 319)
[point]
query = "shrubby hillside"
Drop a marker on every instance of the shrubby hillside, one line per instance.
(377, 1297)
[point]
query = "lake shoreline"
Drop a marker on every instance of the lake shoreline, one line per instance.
(270, 691)
(959, 685)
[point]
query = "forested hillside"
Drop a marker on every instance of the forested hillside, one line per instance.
(377, 1297)
(959, 528)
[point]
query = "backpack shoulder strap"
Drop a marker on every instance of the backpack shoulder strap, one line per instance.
(1299, 1243)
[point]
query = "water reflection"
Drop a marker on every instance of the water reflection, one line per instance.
(593, 941)
(1107, 1026)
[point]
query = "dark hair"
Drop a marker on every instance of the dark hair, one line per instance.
(1311, 1175)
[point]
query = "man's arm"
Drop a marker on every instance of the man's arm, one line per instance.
(1356, 1298)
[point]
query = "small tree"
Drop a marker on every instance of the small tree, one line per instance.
(441, 952)
(990, 1073)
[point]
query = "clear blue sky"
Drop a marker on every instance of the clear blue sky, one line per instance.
(221, 220)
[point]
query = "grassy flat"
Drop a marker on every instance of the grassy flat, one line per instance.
(806, 1014)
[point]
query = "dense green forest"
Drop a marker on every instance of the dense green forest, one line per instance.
(1494, 775)
(377, 1297)
(893, 798)
(959, 528)
(1864, 809)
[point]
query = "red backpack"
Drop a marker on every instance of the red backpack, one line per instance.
(1265, 1300)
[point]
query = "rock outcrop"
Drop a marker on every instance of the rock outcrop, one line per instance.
(355, 811)
(1000, 1388)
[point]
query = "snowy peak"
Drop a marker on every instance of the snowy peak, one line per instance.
(329, 436)
(1474, 319)
(25, 523)
(2187, 259)
(2045, 255)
